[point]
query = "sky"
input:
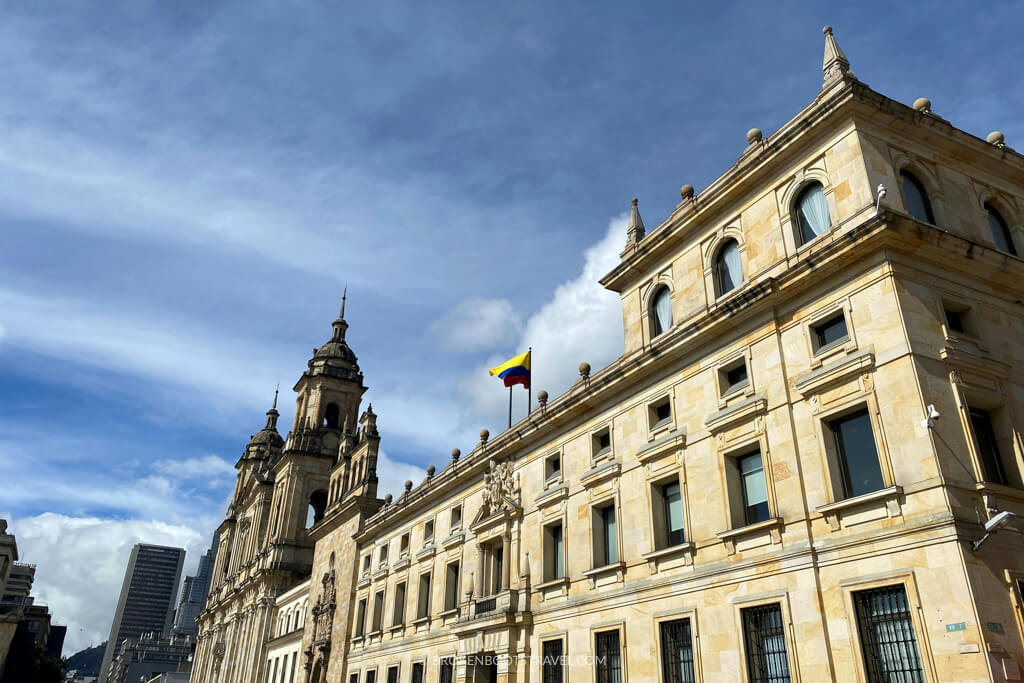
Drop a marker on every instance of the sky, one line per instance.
(186, 188)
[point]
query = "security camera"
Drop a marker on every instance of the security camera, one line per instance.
(998, 521)
(933, 415)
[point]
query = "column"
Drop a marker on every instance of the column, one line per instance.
(481, 577)
(506, 556)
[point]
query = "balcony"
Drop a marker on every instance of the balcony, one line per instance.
(504, 608)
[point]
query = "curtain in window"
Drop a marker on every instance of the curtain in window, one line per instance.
(892, 646)
(812, 212)
(730, 268)
(662, 311)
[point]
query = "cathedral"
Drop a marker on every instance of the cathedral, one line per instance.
(807, 463)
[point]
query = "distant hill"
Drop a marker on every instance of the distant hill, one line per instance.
(87, 661)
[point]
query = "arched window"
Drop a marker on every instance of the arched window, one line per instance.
(916, 198)
(812, 213)
(331, 416)
(1000, 231)
(728, 267)
(317, 507)
(661, 311)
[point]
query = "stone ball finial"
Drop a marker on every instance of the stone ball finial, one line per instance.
(408, 485)
(827, 30)
(996, 138)
(455, 454)
(484, 435)
(388, 498)
(686, 191)
(585, 370)
(542, 397)
(923, 104)
(754, 135)
(430, 470)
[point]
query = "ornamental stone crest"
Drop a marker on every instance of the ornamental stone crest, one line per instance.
(501, 490)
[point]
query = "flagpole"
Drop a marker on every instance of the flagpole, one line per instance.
(510, 405)
(529, 385)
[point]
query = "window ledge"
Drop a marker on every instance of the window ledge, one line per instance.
(453, 539)
(421, 621)
(673, 441)
(382, 572)
(601, 472)
(373, 634)
(394, 628)
(453, 612)
(551, 496)
(834, 512)
(357, 639)
(772, 526)
(615, 569)
(365, 581)
(400, 563)
(657, 558)
(553, 583)
(741, 411)
(835, 372)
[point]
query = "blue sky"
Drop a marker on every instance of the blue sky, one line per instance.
(186, 188)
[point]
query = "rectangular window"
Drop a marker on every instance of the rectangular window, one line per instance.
(677, 652)
(378, 610)
(456, 519)
(428, 533)
(659, 413)
(753, 488)
(423, 599)
(366, 563)
(765, 639)
(417, 672)
(607, 657)
(554, 552)
(403, 545)
(383, 556)
(988, 451)
(551, 661)
(887, 635)
(667, 500)
(856, 453)
(371, 676)
(398, 613)
(733, 377)
(601, 443)
(446, 674)
(291, 676)
(393, 674)
(274, 676)
(360, 617)
(451, 586)
(606, 540)
(354, 678)
(828, 333)
(552, 467)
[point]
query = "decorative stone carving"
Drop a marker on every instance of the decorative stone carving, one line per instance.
(501, 489)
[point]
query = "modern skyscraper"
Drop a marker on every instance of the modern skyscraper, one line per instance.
(193, 595)
(147, 597)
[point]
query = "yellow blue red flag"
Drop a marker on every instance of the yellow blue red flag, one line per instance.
(515, 370)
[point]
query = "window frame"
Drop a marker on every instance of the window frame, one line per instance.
(423, 602)
(422, 664)
(561, 639)
(451, 592)
(547, 550)
(660, 512)
(599, 533)
(657, 424)
(992, 208)
(553, 475)
(620, 630)
(598, 452)
(396, 667)
(377, 620)
(735, 497)
(455, 525)
(430, 525)
(689, 616)
(399, 603)
(728, 391)
(653, 326)
(718, 263)
(801, 241)
(818, 346)
(786, 623)
(904, 174)
(838, 458)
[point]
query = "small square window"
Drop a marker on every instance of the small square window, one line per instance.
(733, 377)
(403, 545)
(428, 532)
(456, 518)
(829, 332)
(382, 557)
(958, 318)
(366, 563)
(553, 467)
(659, 413)
(601, 443)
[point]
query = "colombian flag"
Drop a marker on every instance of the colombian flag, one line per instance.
(515, 370)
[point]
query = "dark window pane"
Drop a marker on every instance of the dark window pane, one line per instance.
(447, 671)
(607, 658)
(1000, 232)
(663, 411)
(918, 205)
(954, 320)
(858, 458)
(393, 674)
(988, 452)
(830, 331)
(736, 376)
(672, 499)
(552, 661)
(755, 491)
(765, 639)
(887, 636)
(417, 672)
(677, 652)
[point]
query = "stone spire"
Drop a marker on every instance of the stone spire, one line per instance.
(635, 231)
(272, 414)
(835, 64)
(340, 326)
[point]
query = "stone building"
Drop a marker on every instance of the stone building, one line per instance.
(787, 476)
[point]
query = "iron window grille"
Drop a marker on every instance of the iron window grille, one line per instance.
(417, 672)
(393, 674)
(447, 671)
(676, 652)
(552, 661)
(607, 657)
(765, 639)
(887, 636)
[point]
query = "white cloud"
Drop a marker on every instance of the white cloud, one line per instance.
(207, 466)
(581, 322)
(392, 475)
(80, 564)
(476, 324)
